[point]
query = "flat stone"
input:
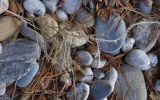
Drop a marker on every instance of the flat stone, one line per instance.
(139, 59)
(4, 5)
(131, 84)
(110, 34)
(27, 79)
(16, 58)
(82, 92)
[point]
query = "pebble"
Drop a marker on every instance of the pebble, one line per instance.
(128, 45)
(131, 84)
(2, 88)
(5, 97)
(61, 15)
(157, 86)
(96, 63)
(146, 6)
(139, 59)
(153, 59)
(85, 18)
(88, 77)
(34, 7)
(51, 5)
(84, 58)
(98, 74)
(145, 36)
(82, 92)
(0, 48)
(4, 5)
(48, 26)
(66, 79)
(113, 32)
(71, 6)
(16, 59)
(27, 79)
(8, 24)
(100, 90)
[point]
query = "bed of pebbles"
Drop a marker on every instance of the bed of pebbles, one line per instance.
(86, 31)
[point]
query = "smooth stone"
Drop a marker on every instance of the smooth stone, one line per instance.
(110, 34)
(139, 59)
(84, 58)
(2, 88)
(34, 7)
(82, 92)
(145, 36)
(0, 48)
(4, 5)
(7, 28)
(88, 75)
(98, 74)
(27, 79)
(66, 79)
(51, 5)
(128, 45)
(48, 26)
(131, 84)
(146, 6)
(85, 18)
(98, 63)
(71, 6)
(157, 86)
(16, 58)
(100, 90)
(61, 15)
(153, 59)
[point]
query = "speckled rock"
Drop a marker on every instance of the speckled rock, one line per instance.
(146, 6)
(139, 59)
(84, 58)
(16, 58)
(51, 5)
(145, 36)
(100, 90)
(111, 34)
(153, 59)
(128, 45)
(34, 7)
(48, 26)
(82, 92)
(157, 86)
(61, 15)
(131, 83)
(96, 63)
(2, 88)
(27, 79)
(8, 24)
(88, 77)
(4, 5)
(71, 6)
(85, 18)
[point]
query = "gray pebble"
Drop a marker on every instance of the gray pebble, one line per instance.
(82, 92)
(34, 7)
(153, 59)
(98, 63)
(71, 6)
(111, 34)
(4, 5)
(61, 15)
(2, 88)
(84, 57)
(146, 6)
(51, 5)
(138, 58)
(157, 86)
(27, 79)
(128, 45)
(131, 84)
(5, 97)
(88, 77)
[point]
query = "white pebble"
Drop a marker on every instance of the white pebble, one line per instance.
(153, 59)
(128, 45)
(98, 63)
(62, 15)
(88, 77)
(2, 88)
(4, 5)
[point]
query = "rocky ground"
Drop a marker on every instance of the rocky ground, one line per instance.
(79, 49)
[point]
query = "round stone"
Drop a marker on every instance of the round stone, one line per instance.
(138, 58)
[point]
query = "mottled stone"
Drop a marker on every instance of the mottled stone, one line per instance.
(71, 6)
(16, 58)
(51, 5)
(110, 34)
(131, 84)
(4, 5)
(27, 79)
(139, 59)
(82, 92)
(128, 45)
